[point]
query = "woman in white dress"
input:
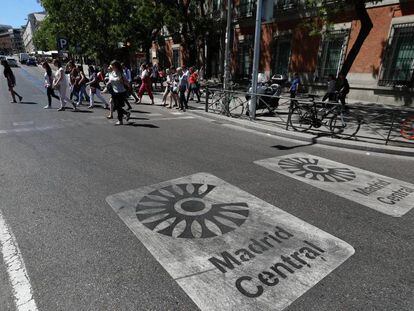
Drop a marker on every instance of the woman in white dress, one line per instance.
(60, 83)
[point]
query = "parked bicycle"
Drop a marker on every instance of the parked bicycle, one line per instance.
(339, 120)
(225, 102)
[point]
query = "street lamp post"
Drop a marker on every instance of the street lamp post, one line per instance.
(256, 57)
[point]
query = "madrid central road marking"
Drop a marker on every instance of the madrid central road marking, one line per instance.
(384, 194)
(227, 249)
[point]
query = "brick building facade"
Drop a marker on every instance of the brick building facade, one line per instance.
(382, 71)
(11, 42)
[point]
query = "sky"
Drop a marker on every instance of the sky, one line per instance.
(14, 12)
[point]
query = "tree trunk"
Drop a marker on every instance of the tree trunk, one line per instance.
(366, 26)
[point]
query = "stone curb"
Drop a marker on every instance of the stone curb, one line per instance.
(348, 144)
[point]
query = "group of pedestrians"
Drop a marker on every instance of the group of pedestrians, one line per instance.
(182, 83)
(71, 83)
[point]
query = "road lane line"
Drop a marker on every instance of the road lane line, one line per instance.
(16, 269)
(154, 115)
(23, 123)
(31, 129)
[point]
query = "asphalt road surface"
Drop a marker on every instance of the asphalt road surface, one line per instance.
(58, 168)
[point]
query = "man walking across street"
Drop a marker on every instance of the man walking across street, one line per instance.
(182, 88)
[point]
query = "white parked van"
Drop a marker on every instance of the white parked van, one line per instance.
(23, 57)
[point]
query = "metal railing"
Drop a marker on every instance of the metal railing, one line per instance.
(376, 123)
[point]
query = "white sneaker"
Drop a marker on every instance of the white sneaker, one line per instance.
(47, 107)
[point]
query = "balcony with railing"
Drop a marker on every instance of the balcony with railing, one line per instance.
(245, 9)
(283, 7)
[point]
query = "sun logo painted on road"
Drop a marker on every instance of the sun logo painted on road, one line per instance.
(310, 169)
(184, 211)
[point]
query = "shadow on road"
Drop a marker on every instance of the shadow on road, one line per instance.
(139, 111)
(314, 141)
(143, 125)
(82, 111)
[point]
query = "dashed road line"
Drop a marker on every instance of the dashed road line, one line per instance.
(16, 269)
(30, 129)
(23, 123)
(154, 115)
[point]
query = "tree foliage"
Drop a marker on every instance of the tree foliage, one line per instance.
(97, 26)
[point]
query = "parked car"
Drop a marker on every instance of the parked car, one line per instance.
(31, 62)
(12, 62)
(23, 57)
(2, 57)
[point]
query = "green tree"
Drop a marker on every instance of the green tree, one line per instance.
(189, 21)
(97, 26)
(45, 36)
(94, 26)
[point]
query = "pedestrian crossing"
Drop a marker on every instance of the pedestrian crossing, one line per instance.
(26, 126)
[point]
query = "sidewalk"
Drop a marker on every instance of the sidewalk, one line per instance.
(370, 137)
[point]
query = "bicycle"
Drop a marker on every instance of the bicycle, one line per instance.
(407, 128)
(225, 102)
(339, 120)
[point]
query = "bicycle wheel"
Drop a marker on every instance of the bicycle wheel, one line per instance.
(236, 107)
(215, 104)
(301, 119)
(407, 128)
(345, 124)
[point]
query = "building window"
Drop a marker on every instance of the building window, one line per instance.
(246, 8)
(398, 63)
(176, 58)
(245, 57)
(332, 53)
(281, 54)
(216, 5)
(286, 4)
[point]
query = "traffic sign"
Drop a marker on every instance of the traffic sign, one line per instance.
(63, 44)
